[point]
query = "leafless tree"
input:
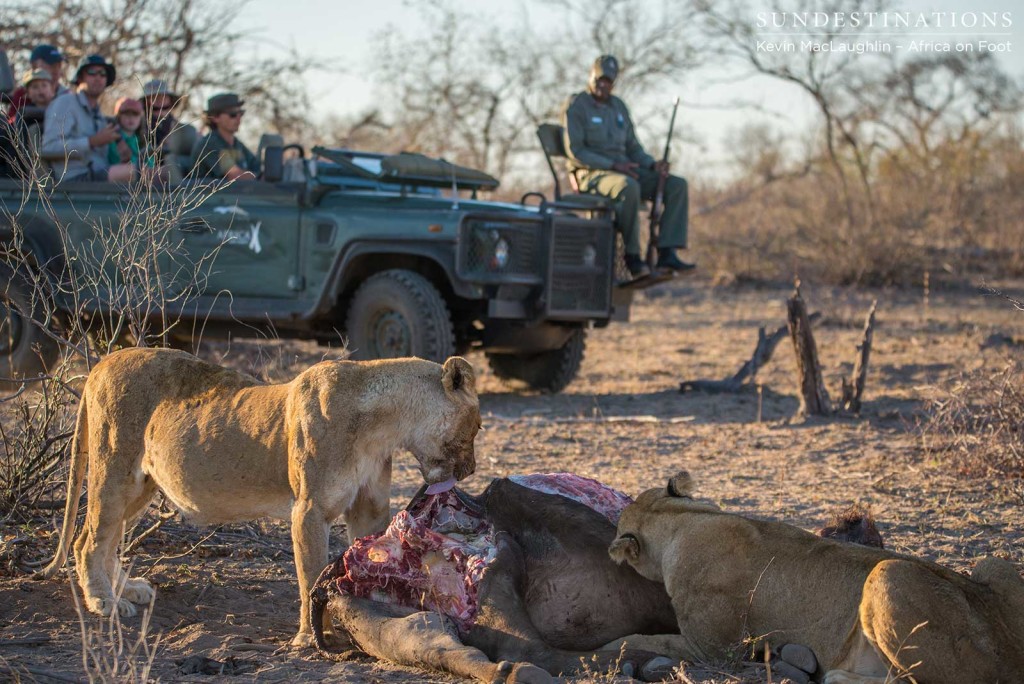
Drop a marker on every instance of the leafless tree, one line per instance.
(474, 92)
(194, 45)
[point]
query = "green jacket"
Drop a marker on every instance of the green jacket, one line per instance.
(132, 141)
(598, 135)
(212, 157)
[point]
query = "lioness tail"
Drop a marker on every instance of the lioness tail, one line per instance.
(76, 474)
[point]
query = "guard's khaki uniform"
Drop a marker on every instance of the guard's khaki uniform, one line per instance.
(598, 135)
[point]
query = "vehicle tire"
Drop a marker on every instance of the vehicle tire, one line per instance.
(549, 372)
(25, 350)
(399, 313)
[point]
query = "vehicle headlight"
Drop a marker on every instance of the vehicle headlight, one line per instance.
(589, 255)
(500, 258)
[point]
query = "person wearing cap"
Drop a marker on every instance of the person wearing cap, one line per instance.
(220, 154)
(43, 58)
(38, 88)
(606, 158)
(167, 138)
(76, 134)
(128, 114)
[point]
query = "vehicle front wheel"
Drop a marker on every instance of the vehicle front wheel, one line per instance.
(549, 372)
(25, 349)
(399, 313)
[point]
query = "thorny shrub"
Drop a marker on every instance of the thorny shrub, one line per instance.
(977, 424)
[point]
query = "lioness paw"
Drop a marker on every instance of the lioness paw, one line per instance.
(139, 591)
(303, 640)
(105, 606)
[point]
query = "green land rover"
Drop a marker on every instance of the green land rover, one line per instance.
(392, 253)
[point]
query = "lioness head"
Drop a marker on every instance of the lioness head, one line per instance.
(446, 450)
(647, 526)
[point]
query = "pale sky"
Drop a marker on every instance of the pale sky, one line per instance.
(341, 31)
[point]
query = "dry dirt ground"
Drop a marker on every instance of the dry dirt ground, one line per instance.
(232, 597)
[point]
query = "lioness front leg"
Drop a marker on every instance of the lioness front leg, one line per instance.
(370, 512)
(310, 532)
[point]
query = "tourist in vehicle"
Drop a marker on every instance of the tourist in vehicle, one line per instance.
(38, 86)
(220, 154)
(76, 134)
(46, 58)
(607, 159)
(128, 149)
(166, 138)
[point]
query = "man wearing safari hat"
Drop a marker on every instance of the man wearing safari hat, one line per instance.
(607, 159)
(170, 140)
(220, 154)
(76, 134)
(43, 58)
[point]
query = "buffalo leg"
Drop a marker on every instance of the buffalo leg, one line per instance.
(421, 639)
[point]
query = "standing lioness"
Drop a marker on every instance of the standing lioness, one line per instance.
(869, 615)
(224, 447)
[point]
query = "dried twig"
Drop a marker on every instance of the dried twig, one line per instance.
(853, 388)
(814, 399)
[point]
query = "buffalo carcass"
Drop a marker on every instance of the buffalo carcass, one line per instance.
(513, 585)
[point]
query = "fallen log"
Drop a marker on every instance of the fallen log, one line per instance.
(762, 354)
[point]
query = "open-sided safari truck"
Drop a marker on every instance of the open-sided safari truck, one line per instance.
(394, 253)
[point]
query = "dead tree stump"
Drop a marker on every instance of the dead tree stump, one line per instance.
(814, 399)
(854, 387)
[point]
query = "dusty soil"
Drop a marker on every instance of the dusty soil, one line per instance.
(231, 595)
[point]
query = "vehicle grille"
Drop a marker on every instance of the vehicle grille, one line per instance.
(579, 284)
(483, 242)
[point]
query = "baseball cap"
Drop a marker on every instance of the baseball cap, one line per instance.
(605, 66)
(127, 104)
(37, 75)
(47, 53)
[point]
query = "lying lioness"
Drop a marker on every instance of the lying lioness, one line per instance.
(866, 613)
(224, 447)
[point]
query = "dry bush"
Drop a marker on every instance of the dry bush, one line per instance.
(977, 425)
(35, 434)
(958, 212)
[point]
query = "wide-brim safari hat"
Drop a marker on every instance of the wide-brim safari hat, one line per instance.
(222, 102)
(157, 87)
(96, 60)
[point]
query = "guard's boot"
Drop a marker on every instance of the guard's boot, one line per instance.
(667, 259)
(636, 266)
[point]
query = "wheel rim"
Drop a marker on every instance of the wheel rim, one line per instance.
(11, 328)
(390, 335)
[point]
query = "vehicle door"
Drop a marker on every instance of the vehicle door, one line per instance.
(241, 242)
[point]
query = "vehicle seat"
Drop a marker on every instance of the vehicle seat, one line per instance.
(271, 156)
(177, 151)
(552, 141)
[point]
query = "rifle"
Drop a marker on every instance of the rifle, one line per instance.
(658, 205)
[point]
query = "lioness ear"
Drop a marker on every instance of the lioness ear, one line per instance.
(681, 485)
(625, 548)
(458, 374)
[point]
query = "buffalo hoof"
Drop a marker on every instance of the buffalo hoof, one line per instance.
(527, 673)
(657, 669)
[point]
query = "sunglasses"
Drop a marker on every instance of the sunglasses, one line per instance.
(162, 108)
(235, 114)
(95, 72)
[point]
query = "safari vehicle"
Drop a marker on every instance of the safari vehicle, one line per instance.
(393, 253)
